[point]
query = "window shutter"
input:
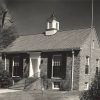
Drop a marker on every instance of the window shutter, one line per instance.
(63, 66)
(49, 69)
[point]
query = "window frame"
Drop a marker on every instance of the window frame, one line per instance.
(53, 62)
(86, 69)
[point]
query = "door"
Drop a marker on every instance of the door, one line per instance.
(56, 66)
(16, 66)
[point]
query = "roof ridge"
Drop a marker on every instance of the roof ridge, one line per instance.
(58, 31)
(74, 29)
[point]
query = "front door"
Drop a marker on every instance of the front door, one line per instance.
(56, 66)
(16, 67)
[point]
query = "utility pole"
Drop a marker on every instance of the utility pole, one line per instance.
(91, 39)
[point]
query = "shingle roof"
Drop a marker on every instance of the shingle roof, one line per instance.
(59, 41)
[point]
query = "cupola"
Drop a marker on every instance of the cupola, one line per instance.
(52, 25)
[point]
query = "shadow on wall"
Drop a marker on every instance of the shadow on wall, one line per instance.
(94, 90)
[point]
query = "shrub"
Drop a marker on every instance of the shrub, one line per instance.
(94, 91)
(5, 79)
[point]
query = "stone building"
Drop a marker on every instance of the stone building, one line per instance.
(65, 60)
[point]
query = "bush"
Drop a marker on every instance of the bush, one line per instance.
(5, 79)
(94, 91)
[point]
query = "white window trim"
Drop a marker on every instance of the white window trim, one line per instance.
(87, 60)
(86, 86)
(54, 87)
(13, 69)
(53, 64)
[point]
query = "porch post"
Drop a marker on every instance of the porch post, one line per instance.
(12, 67)
(31, 73)
(5, 63)
(72, 69)
(39, 62)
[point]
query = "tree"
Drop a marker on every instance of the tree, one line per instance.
(7, 36)
(94, 91)
(7, 29)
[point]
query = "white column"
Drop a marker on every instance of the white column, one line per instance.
(52, 69)
(31, 73)
(5, 63)
(39, 62)
(72, 69)
(12, 67)
(47, 25)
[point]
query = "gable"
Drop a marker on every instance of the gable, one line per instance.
(91, 41)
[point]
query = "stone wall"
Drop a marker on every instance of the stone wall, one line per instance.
(66, 82)
(87, 49)
(76, 70)
(69, 70)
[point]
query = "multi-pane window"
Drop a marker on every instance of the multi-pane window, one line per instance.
(97, 71)
(87, 65)
(50, 25)
(97, 62)
(86, 86)
(57, 60)
(97, 66)
(93, 44)
(87, 60)
(56, 65)
(86, 69)
(16, 61)
(56, 85)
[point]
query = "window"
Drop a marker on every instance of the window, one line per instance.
(50, 25)
(57, 60)
(97, 62)
(93, 44)
(87, 60)
(86, 86)
(56, 65)
(96, 70)
(86, 69)
(87, 65)
(97, 66)
(16, 61)
(56, 85)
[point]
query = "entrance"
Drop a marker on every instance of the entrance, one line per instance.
(35, 67)
(16, 67)
(56, 66)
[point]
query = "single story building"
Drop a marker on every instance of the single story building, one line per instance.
(67, 60)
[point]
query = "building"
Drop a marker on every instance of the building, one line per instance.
(65, 60)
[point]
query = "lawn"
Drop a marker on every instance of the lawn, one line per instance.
(37, 95)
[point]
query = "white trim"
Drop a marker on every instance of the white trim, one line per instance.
(31, 73)
(13, 69)
(72, 70)
(5, 63)
(53, 64)
(34, 56)
(54, 87)
(86, 86)
(39, 63)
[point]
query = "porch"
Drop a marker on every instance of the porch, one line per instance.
(56, 69)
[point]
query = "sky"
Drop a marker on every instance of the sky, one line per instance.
(30, 16)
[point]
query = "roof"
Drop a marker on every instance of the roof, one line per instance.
(59, 41)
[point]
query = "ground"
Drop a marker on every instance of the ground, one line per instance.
(37, 95)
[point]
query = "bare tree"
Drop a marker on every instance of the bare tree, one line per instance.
(7, 28)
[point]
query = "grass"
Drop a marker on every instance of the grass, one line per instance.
(37, 95)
